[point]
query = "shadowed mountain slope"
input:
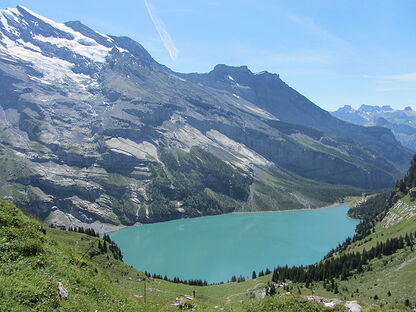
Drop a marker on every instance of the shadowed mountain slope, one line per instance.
(93, 129)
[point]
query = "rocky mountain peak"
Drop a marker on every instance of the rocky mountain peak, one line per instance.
(346, 108)
(88, 32)
(401, 122)
(240, 74)
(375, 108)
(134, 48)
(231, 69)
(232, 74)
(369, 108)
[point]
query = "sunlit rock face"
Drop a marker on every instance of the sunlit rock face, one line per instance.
(92, 128)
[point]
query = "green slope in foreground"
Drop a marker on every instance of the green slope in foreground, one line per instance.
(388, 282)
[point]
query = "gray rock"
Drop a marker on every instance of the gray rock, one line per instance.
(62, 292)
(353, 306)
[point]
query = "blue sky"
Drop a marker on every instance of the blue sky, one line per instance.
(335, 52)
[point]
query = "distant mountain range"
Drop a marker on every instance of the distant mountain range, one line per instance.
(401, 122)
(93, 129)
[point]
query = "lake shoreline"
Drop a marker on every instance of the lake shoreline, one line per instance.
(239, 212)
(288, 210)
(213, 248)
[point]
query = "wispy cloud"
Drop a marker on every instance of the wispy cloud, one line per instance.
(396, 89)
(309, 25)
(400, 77)
(394, 83)
(163, 33)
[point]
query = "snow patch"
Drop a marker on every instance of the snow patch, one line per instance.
(56, 25)
(241, 86)
(13, 13)
(80, 45)
(4, 22)
(231, 78)
(29, 45)
(121, 50)
(40, 80)
(108, 38)
(54, 69)
(5, 16)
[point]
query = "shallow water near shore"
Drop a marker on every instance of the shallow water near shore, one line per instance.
(214, 248)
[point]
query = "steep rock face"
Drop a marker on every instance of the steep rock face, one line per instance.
(269, 92)
(401, 122)
(92, 128)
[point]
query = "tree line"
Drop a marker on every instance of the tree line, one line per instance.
(343, 266)
(113, 247)
(177, 280)
(107, 245)
(78, 229)
(234, 279)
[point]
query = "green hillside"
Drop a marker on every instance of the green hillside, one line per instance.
(386, 282)
(377, 267)
(35, 259)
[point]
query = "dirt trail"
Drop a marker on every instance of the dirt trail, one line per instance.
(404, 264)
(228, 299)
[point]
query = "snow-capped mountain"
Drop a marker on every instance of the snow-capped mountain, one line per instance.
(401, 122)
(94, 129)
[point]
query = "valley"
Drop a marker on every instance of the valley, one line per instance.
(95, 130)
(126, 185)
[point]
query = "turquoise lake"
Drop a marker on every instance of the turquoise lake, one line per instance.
(214, 248)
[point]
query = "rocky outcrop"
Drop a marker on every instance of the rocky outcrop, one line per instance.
(62, 291)
(399, 212)
(352, 306)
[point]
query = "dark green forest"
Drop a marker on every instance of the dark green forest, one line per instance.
(204, 184)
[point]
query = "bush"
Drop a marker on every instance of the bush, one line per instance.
(30, 247)
(186, 306)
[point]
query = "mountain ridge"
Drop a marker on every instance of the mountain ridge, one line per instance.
(401, 122)
(282, 105)
(86, 118)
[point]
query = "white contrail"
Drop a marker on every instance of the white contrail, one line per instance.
(163, 33)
